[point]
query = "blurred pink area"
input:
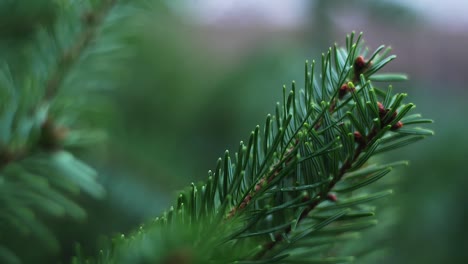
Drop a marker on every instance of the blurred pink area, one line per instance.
(234, 29)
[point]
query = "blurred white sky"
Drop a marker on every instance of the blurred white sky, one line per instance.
(452, 14)
(278, 13)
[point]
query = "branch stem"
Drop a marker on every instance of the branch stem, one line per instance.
(91, 21)
(279, 237)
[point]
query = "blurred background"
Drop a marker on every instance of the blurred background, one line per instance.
(210, 70)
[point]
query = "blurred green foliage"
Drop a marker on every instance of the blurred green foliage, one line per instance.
(19, 19)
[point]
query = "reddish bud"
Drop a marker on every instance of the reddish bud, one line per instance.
(343, 90)
(332, 197)
(380, 106)
(397, 126)
(359, 63)
(382, 110)
(358, 137)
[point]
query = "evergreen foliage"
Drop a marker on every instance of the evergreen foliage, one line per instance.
(293, 192)
(294, 189)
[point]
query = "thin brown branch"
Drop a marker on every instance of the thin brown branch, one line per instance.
(279, 237)
(273, 172)
(363, 144)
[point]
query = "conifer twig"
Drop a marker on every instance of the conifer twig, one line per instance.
(51, 133)
(319, 138)
(363, 143)
(359, 67)
(264, 180)
(91, 21)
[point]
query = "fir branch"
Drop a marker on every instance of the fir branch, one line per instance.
(324, 195)
(273, 192)
(263, 182)
(53, 134)
(91, 21)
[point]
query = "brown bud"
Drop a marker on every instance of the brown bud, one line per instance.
(357, 135)
(358, 138)
(343, 90)
(380, 105)
(359, 64)
(382, 110)
(397, 126)
(332, 197)
(52, 136)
